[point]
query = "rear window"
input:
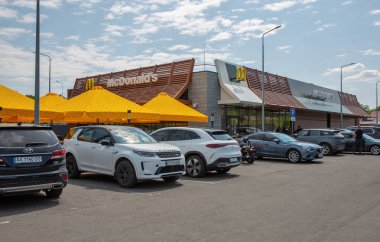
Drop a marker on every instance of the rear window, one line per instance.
(27, 138)
(220, 135)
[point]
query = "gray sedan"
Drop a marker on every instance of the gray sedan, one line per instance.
(279, 145)
(370, 144)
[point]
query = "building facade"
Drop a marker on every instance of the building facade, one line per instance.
(231, 96)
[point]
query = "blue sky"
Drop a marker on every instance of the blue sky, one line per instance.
(86, 37)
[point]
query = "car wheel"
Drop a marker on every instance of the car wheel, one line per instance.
(223, 170)
(294, 156)
(54, 193)
(171, 179)
(72, 167)
(125, 175)
(251, 160)
(327, 150)
(375, 150)
(195, 166)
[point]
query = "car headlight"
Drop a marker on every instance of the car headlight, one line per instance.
(308, 148)
(144, 153)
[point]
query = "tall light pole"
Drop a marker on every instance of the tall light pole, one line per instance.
(341, 92)
(377, 105)
(37, 68)
(49, 70)
(61, 87)
(262, 81)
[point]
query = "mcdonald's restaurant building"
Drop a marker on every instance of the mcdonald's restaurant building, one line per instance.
(231, 96)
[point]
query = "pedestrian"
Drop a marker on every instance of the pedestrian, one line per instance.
(299, 128)
(358, 141)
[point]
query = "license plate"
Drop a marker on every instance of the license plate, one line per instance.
(29, 159)
(172, 162)
(235, 159)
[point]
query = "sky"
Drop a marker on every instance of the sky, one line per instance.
(90, 37)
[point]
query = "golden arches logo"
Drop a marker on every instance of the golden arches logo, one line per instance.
(90, 83)
(241, 74)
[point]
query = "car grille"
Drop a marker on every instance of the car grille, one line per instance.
(167, 169)
(319, 150)
(169, 154)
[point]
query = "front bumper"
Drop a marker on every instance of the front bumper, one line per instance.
(224, 163)
(154, 168)
(311, 155)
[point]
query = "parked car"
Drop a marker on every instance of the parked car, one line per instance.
(204, 149)
(242, 131)
(31, 160)
(370, 144)
(279, 145)
(331, 140)
(373, 131)
(129, 154)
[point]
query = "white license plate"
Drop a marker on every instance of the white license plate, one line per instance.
(172, 162)
(235, 159)
(29, 159)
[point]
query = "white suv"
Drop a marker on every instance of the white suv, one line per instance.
(127, 153)
(204, 149)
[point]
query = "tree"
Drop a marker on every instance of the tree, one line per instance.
(366, 108)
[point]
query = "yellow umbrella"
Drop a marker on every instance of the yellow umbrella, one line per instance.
(172, 110)
(100, 105)
(17, 107)
(53, 103)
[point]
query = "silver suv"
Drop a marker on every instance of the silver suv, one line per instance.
(332, 141)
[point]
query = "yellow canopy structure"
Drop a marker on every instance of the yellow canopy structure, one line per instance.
(170, 109)
(17, 107)
(100, 105)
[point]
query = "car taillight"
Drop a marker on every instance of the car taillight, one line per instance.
(215, 146)
(58, 154)
(64, 176)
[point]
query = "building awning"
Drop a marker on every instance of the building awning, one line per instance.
(169, 109)
(351, 102)
(100, 105)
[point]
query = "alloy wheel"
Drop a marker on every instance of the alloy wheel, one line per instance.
(122, 174)
(193, 166)
(375, 150)
(294, 156)
(325, 149)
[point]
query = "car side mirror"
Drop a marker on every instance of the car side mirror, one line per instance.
(276, 140)
(245, 139)
(105, 143)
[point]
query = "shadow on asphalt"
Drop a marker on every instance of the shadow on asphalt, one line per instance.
(272, 160)
(20, 204)
(104, 182)
(213, 177)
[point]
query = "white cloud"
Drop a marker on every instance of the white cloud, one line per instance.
(346, 2)
(178, 47)
(122, 7)
(252, 1)
(377, 23)
(285, 48)
(254, 28)
(114, 30)
(72, 37)
(13, 32)
(307, 1)
(221, 36)
(55, 4)
(31, 18)
(7, 13)
(370, 52)
(341, 55)
(279, 6)
(353, 68)
(375, 11)
(364, 76)
(47, 35)
(322, 27)
(238, 10)
(84, 4)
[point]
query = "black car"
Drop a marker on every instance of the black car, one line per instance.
(373, 131)
(31, 160)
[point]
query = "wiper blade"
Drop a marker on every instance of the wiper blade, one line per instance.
(35, 144)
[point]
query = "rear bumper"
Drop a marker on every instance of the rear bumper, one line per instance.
(223, 163)
(32, 182)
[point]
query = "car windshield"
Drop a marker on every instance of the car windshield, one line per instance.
(131, 136)
(285, 138)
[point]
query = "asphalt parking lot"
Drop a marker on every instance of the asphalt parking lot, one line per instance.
(333, 199)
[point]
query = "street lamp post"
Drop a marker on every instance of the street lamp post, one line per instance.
(262, 81)
(61, 87)
(49, 69)
(341, 93)
(37, 68)
(377, 104)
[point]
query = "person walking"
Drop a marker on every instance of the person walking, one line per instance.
(358, 147)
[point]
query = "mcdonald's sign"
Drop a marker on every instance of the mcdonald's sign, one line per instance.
(90, 83)
(241, 73)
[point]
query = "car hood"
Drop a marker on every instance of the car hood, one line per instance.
(149, 147)
(306, 144)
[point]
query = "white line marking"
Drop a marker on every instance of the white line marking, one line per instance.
(212, 183)
(5, 222)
